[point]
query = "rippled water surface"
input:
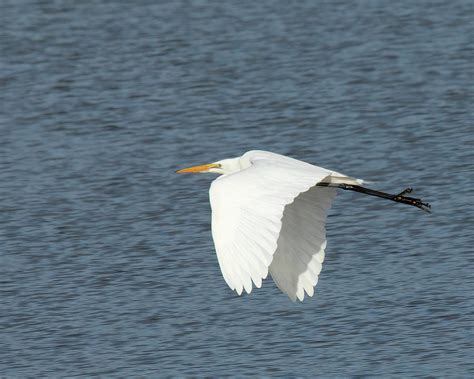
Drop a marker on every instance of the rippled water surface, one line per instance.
(107, 265)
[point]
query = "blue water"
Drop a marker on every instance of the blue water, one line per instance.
(107, 265)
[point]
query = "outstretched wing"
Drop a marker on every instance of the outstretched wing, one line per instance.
(298, 259)
(248, 211)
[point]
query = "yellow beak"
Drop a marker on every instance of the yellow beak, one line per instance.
(202, 168)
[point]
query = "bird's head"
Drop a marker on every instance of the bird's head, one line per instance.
(224, 167)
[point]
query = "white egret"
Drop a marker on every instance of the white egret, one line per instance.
(268, 215)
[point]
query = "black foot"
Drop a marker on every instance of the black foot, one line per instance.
(422, 205)
(405, 191)
(411, 200)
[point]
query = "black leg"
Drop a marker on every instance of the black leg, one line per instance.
(400, 198)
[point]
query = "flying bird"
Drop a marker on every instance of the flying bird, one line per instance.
(268, 216)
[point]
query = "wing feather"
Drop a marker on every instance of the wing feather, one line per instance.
(298, 260)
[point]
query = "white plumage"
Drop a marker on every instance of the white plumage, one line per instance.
(268, 216)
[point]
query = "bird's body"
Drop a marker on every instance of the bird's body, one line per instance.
(268, 216)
